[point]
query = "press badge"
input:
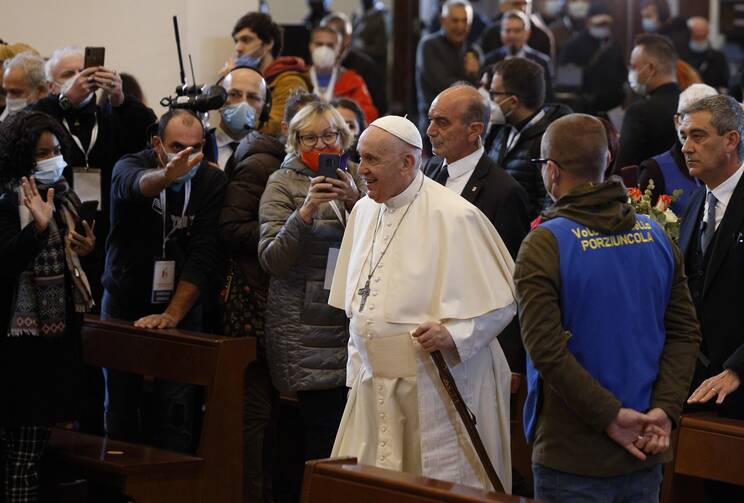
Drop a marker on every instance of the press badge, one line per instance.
(330, 267)
(163, 280)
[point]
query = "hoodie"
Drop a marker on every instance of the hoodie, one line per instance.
(575, 409)
(283, 76)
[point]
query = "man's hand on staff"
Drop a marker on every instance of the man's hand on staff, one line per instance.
(433, 336)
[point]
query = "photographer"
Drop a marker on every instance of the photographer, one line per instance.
(305, 337)
(161, 257)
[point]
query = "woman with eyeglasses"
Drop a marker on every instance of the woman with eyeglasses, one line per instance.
(43, 293)
(302, 217)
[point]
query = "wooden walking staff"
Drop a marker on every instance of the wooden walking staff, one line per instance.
(467, 418)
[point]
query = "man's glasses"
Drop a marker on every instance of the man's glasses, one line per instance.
(310, 140)
(540, 162)
(494, 94)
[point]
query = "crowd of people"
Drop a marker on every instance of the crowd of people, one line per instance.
(351, 244)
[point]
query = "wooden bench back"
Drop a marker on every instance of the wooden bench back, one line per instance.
(217, 363)
(343, 480)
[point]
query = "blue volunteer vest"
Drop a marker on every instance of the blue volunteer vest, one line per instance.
(674, 179)
(613, 296)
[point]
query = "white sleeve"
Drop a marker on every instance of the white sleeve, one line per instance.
(353, 363)
(474, 334)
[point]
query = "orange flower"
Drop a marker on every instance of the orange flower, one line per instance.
(663, 203)
(635, 194)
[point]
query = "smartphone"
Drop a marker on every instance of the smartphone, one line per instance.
(86, 211)
(94, 56)
(328, 164)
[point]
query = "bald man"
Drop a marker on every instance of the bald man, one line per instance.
(241, 114)
(421, 269)
(609, 328)
(710, 63)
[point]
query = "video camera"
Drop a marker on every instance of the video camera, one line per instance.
(197, 98)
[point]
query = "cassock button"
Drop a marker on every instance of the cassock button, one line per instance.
(374, 293)
(383, 443)
(371, 307)
(382, 416)
(382, 458)
(380, 401)
(379, 388)
(377, 280)
(388, 224)
(384, 428)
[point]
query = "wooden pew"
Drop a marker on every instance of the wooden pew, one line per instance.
(215, 473)
(705, 447)
(343, 480)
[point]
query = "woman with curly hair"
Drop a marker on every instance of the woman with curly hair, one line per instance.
(43, 293)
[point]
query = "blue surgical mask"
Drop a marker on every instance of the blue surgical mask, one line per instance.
(650, 25)
(49, 171)
(239, 117)
(699, 47)
(248, 60)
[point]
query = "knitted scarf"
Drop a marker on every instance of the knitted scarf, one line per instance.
(40, 301)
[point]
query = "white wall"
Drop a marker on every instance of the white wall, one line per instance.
(137, 34)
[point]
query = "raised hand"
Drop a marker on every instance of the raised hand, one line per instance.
(80, 86)
(345, 188)
(180, 164)
(110, 82)
(40, 210)
(321, 191)
(83, 245)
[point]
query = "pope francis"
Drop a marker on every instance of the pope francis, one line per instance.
(421, 269)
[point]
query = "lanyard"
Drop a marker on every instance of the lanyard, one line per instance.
(336, 210)
(93, 138)
(187, 196)
(514, 134)
(328, 94)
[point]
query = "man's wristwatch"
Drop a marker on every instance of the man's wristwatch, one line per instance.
(64, 102)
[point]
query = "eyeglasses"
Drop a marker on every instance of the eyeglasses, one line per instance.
(494, 94)
(310, 140)
(540, 162)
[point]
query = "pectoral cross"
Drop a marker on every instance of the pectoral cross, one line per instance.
(364, 293)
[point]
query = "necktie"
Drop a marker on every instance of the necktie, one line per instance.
(709, 226)
(443, 175)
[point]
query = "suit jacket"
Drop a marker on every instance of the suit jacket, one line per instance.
(718, 291)
(506, 204)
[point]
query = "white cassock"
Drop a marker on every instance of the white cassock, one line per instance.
(446, 263)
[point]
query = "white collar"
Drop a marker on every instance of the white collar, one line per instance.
(725, 190)
(465, 165)
(222, 138)
(407, 195)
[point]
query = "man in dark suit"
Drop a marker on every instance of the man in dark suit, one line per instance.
(712, 239)
(648, 124)
(457, 117)
(515, 31)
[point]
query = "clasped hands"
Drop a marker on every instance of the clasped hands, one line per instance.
(640, 433)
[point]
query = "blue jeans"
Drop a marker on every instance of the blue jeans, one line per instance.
(553, 486)
(177, 405)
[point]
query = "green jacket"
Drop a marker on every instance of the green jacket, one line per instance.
(576, 408)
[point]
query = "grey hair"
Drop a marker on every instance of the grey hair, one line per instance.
(57, 56)
(725, 115)
(458, 3)
(32, 66)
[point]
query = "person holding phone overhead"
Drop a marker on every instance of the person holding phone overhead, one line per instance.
(302, 217)
(43, 293)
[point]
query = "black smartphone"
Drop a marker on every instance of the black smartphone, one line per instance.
(94, 56)
(86, 211)
(328, 164)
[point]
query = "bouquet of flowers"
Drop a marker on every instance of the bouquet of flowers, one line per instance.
(660, 212)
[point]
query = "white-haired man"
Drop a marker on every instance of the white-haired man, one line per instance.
(23, 81)
(403, 306)
(669, 170)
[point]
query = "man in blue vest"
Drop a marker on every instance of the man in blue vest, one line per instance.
(609, 328)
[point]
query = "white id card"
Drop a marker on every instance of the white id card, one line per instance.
(163, 280)
(88, 184)
(330, 267)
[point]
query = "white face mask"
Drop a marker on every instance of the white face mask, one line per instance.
(578, 10)
(50, 170)
(13, 105)
(650, 25)
(639, 88)
(599, 32)
(552, 8)
(324, 58)
(699, 46)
